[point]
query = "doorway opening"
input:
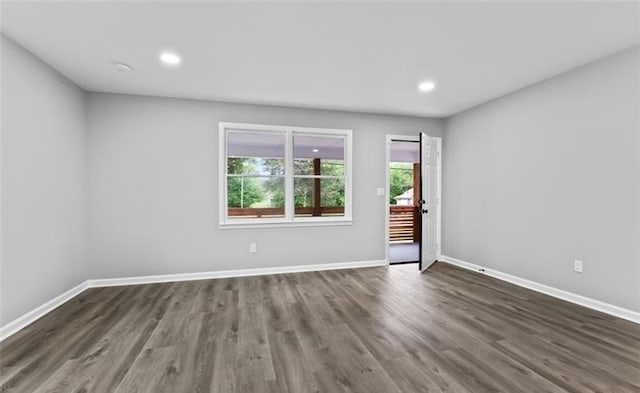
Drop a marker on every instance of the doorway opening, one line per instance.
(404, 229)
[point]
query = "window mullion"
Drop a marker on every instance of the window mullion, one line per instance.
(289, 204)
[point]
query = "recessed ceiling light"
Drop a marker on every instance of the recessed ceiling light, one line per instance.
(426, 86)
(315, 150)
(122, 67)
(170, 58)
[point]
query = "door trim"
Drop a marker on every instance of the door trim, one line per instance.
(439, 196)
(389, 138)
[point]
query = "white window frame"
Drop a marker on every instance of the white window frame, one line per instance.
(289, 220)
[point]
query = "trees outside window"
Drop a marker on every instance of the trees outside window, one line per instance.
(400, 179)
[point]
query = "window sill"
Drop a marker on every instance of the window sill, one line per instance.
(286, 224)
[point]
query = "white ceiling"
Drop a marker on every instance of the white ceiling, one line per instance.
(357, 56)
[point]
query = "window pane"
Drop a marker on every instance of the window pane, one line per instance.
(332, 192)
(255, 166)
(332, 168)
(326, 151)
(303, 166)
(303, 192)
(253, 153)
(255, 197)
(331, 197)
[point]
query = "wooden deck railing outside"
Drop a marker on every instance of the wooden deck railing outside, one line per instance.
(403, 220)
(260, 212)
(403, 224)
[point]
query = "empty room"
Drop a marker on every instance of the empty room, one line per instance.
(315, 196)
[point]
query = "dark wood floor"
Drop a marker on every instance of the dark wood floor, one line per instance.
(366, 330)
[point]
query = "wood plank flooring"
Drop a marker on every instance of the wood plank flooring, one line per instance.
(388, 329)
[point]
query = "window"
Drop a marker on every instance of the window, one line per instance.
(273, 175)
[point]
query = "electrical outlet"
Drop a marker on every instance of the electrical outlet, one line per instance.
(577, 266)
(380, 191)
(252, 248)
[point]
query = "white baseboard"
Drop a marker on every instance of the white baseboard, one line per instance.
(37, 313)
(110, 282)
(598, 305)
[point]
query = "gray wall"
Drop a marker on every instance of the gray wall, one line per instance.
(153, 189)
(43, 183)
(550, 174)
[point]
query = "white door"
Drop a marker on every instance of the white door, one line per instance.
(429, 205)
